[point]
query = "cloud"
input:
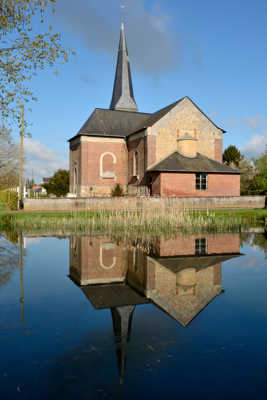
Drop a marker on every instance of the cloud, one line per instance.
(42, 160)
(254, 123)
(255, 146)
(154, 47)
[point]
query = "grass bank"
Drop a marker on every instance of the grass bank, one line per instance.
(149, 223)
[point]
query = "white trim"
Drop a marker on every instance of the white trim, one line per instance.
(104, 174)
(106, 246)
(101, 139)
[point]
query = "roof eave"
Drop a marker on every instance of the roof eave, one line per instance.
(95, 135)
(195, 171)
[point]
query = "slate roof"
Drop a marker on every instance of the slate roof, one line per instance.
(114, 295)
(121, 123)
(111, 123)
(123, 96)
(178, 263)
(176, 162)
(156, 116)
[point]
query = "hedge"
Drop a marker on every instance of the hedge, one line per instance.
(9, 197)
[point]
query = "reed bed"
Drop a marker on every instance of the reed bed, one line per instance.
(131, 223)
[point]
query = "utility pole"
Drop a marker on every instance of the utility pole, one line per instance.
(21, 158)
(21, 275)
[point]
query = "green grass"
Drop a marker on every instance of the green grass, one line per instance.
(133, 223)
(3, 207)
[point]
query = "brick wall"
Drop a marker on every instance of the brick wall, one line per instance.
(224, 243)
(137, 145)
(173, 184)
(75, 162)
(113, 153)
(96, 260)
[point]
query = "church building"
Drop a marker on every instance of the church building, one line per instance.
(175, 151)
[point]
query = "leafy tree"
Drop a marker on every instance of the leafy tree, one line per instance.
(9, 160)
(59, 183)
(232, 155)
(254, 177)
(247, 174)
(258, 184)
(24, 52)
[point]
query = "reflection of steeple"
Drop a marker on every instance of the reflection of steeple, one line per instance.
(122, 322)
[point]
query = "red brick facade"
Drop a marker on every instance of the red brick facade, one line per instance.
(97, 164)
(184, 184)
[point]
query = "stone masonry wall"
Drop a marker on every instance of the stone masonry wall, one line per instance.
(145, 203)
(186, 117)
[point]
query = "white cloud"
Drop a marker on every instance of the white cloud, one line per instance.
(255, 123)
(153, 45)
(255, 146)
(42, 160)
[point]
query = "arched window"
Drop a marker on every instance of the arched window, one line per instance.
(135, 164)
(107, 161)
(75, 180)
(105, 250)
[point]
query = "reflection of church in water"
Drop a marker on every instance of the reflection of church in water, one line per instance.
(180, 276)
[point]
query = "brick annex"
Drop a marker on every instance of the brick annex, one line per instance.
(176, 151)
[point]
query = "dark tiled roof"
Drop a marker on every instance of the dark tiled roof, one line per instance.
(155, 117)
(179, 263)
(117, 123)
(114, 295)
(111, 123)
(176, 162)
(123, 96)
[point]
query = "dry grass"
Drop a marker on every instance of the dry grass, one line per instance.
(133, 223)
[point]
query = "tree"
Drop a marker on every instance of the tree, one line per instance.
(59, 183)
(9, 159)
(24, 52)
(232, 155)
(247, 174)
(259, 182)
(254, 177)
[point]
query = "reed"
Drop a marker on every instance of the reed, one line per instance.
(134, 223)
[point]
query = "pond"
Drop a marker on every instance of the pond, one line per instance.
(95, 318)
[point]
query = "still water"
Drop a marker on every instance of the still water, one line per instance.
(92, 318)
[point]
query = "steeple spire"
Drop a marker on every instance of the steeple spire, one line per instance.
(123, 97)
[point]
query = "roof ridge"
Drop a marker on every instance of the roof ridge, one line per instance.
(205, 115)
(124, 111)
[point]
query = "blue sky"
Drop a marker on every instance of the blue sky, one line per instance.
(214, 52)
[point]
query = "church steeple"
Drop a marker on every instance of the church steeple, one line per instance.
(123, 97)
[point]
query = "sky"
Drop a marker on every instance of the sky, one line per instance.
(214, 52)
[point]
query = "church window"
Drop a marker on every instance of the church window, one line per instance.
(201, 181)
(75, 179)
(135, 164)
(107, 161)
(200, 246)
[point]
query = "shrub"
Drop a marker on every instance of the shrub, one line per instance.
(117, 191)
(9, 197)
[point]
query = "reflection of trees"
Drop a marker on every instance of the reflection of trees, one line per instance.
(255, 239)
(9, 257)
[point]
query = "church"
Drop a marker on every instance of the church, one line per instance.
(175, 151)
